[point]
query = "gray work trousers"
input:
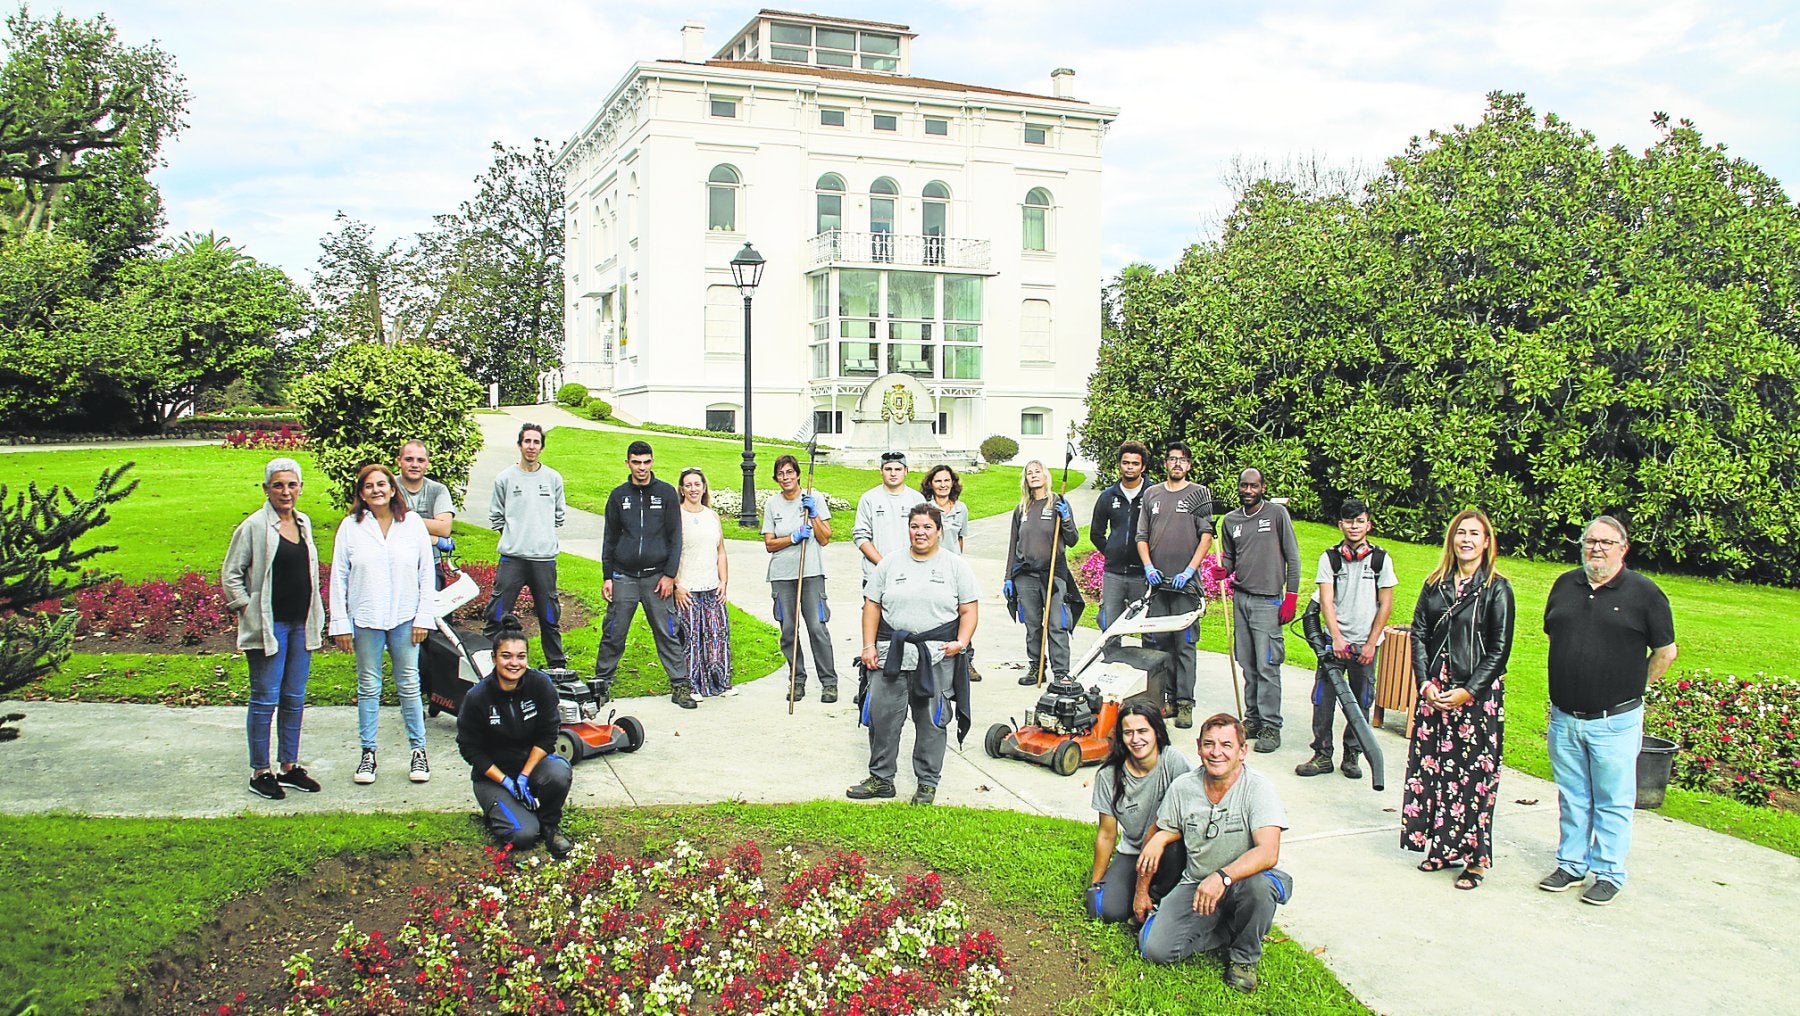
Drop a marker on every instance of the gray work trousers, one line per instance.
(886, 710)
(515, 573)
(816, 610)
(1239, 922)
(1326, 708)
(1260, 651)
(1118, 887)
(1117, 591)
(507, 818)
(1165, 602)
(1030, 592)
(664, 627)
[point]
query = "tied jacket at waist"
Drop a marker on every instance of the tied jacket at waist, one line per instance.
(1473, 631)
(921, 685)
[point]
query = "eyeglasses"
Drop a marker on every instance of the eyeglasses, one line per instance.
(1605, 544)
(1212, 824)
(1178, 458)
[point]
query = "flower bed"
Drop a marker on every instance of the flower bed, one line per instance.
(188, 610)
(1215, 582)
(726, 501)
(287, 438)
(1736, 734)
(597, 934)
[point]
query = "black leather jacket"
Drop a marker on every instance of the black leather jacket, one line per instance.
(1475, 631)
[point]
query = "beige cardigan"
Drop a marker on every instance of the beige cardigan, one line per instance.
(245, 580)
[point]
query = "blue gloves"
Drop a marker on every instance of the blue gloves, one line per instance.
(1181, 581)
(520, 787)
(811, 506)
(445, 544)
(1063, 509)
(1152, 576)
(1006, 589)
(1091, 900)
(803, 533)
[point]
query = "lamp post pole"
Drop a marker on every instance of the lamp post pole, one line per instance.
(746, 273)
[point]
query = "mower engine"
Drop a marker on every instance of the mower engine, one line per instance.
(1065, 708)
(576, 699)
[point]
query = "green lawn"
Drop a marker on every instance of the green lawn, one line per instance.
(181, 517)
(85, 909)
(593, 463)
(1732, 627)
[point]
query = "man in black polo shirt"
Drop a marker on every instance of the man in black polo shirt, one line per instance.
(1611, 635)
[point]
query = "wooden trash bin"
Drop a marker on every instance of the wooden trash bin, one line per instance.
(1394, 687)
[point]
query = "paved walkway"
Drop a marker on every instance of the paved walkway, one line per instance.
(1706, 924)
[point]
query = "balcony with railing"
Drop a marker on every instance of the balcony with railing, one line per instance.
(842, 246)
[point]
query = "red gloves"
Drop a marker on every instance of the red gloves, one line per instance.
(1288, 603)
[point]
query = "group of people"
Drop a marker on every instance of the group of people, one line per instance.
(1187, 853)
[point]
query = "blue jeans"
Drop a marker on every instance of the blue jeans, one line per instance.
(278, 692)
(400, 649)
(1595, 766)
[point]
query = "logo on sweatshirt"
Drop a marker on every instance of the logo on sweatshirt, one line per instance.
(493, 716)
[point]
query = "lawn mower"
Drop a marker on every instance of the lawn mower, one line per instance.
(1333, 672)
(451, 662)
(1071, 726)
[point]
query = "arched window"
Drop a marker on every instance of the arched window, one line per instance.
(935, 218)
(883, 195)
(721, 199)
(829, 203)
(1037, 219)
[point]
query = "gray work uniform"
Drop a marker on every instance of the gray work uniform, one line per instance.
(1260, 549)
(881, 520)
(780, 518)
(1354, 595)
(1171, 523)
(1135, 814)
(914, 596)
(527, 507)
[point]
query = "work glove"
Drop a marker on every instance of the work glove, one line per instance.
(803, 533)
(1180, 581)
(1063, 509)
(517, 786)
(811, 506)
(526, 797)
(1288, 603)
(1152, 576)
(1091, 900)
(1006, 589)
(445, 544)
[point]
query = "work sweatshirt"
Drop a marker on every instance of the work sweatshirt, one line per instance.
(499, 728)
(1261, 550)
(643, 530)
(1114, 529)
(528, 507)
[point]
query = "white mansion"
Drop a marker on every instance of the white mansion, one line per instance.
(945, 231)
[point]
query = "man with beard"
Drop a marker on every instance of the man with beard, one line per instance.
(1258, 549)
(1174, 532)
(1611, 636)
(1114, 534)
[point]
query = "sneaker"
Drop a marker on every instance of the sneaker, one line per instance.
(1318, 765)
(419, 771)
(1268, 740)
(557, 842)
(925, 794)
(298, 779)
(1184, 716)
(365, 770)
(1600, 893)
(1241, 976)
(874, 786)
(1559, 881)
(685, 699)
(828, 695)
(264, 784)
(1352, 768)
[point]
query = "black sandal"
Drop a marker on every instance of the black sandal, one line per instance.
(1433, 864)
(1469, 879)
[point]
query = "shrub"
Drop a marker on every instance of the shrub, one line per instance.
(1736, 734)
(372, 398)
(1090, 573)
(999, 448)
(572, 395)
(597, 409)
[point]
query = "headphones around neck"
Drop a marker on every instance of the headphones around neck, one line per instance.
(1358, 554)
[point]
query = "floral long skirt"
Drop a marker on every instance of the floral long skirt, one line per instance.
(1452, 779)
(708, 631)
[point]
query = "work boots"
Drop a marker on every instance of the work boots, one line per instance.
(1318, 765)
(1351, 768)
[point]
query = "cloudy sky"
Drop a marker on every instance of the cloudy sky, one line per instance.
(385, 109)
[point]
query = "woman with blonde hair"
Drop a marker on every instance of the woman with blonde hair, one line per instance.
(1042, 526)
(1462, 638)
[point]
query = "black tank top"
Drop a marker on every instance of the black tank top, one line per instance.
(290, 592)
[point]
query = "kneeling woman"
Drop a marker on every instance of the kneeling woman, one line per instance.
(506, 730)
(1128, 790)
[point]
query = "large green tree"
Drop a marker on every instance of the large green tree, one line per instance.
(1509, 317)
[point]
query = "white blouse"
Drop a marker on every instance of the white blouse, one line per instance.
(701, 534)
(379, 581)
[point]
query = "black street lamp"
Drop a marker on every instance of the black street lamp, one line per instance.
(746, 272)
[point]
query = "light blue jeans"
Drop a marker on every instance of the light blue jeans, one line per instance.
(278, 693)
(400, 649)
(1595, 766)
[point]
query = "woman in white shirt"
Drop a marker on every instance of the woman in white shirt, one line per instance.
(383, 596)
(700, 587)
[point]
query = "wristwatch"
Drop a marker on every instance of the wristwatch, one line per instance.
(1223, 877)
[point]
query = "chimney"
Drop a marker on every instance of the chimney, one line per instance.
(1062, 83)
(693, 42)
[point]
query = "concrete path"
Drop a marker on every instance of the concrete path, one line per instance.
(1704, 926)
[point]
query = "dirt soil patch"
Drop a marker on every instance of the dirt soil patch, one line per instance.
(245, 947)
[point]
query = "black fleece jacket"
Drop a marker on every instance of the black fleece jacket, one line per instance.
(498, 728)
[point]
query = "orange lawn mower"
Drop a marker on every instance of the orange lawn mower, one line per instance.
(453, 662)
(1071, 726)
